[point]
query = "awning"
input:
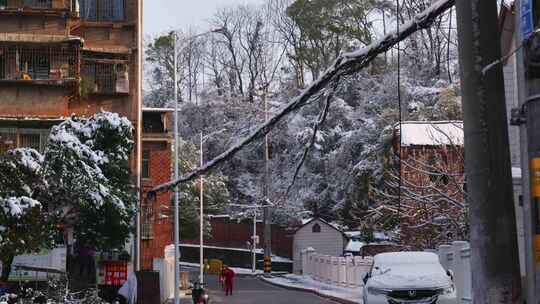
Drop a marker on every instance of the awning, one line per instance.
(33, 38)
(108, 49)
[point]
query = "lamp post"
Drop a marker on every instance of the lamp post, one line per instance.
(203, 139)
(176, 169)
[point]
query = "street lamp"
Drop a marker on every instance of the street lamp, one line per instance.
(176, 169)
(203, 139)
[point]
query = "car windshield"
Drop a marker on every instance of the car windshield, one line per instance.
(397, 260)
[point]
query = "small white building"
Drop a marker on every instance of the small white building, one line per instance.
(320, 235)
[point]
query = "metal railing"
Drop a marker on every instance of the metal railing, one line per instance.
(103, 10)
(35, 4)
(30, 62)
(100, 77)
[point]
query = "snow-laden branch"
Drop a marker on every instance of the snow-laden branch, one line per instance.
(345, 64)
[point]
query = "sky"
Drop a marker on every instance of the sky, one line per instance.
(165, 15)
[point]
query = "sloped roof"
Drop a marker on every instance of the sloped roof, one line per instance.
(308, 221)
(431, 133)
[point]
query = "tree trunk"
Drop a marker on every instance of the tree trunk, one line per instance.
(6, 268)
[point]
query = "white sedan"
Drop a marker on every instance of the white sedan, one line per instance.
(408, 278)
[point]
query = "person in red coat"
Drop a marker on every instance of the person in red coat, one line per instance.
(229, 280)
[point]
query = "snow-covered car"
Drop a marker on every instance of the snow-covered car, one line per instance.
(408, 278)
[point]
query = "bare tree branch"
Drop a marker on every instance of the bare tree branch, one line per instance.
(322, 118)
(345, 64)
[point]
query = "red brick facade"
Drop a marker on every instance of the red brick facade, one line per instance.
(433, 187)
(156, 220)
(233, 234)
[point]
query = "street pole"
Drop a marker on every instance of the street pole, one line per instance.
(494, 251)
(527, 118)
(528, 218)
(267, 211)
(254, 243)
(176, 174)
(201, 220)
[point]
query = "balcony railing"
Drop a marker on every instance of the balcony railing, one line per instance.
(103, 10)
(36, 4)
(32, 62)
(104, 77)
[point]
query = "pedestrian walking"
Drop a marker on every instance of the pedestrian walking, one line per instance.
(229, 281)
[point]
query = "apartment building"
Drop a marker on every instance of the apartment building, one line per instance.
(64, 57)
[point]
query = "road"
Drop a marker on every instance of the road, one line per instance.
(251, 290)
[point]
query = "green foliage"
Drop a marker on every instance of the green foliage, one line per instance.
(160, 58)
(87, 170)
(216, 195)
(328, 27)
(24, 224)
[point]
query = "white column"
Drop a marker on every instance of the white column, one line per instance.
(459, 267)
(335, 270)
(443, 255)
(330, 273)
(343, 272)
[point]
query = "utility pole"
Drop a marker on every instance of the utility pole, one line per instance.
(176, 174)
(494, 260)
(267, 210)
(526, 117)
(201, 220)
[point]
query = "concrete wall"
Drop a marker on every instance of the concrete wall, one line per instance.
(327, 242)
(36, 101)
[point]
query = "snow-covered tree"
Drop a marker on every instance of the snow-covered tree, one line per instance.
(25, 226)
(87, 170)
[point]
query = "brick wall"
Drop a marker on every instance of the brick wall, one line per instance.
(420, 172)
(232, 234)
(160, 172)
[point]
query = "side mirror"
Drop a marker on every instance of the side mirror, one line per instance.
(366, 278)
(450, 273)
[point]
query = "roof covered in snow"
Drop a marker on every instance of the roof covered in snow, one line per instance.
(431, 133)
(331, 225)
(354, 246)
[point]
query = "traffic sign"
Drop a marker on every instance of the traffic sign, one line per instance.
(527, 22)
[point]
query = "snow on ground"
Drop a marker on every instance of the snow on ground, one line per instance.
(307, 283)
(258, 250)
(241, 271)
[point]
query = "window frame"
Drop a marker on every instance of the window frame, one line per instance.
(148, 160)
(316, 228)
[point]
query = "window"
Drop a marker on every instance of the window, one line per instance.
(145, 164)
(102, 10)
(12, 138)
(31, 141)
(316, 228)
(147, 221)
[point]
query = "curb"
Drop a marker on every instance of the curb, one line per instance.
(316, 292)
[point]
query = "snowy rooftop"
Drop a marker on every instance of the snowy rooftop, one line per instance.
(354, 246)
(431, 133)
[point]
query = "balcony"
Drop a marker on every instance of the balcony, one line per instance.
(156, 124)
(104, 77)
(102, 10)
(31, 5)
(38, 63)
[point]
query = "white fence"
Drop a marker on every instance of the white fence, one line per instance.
(457, 259)
(338, 271)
